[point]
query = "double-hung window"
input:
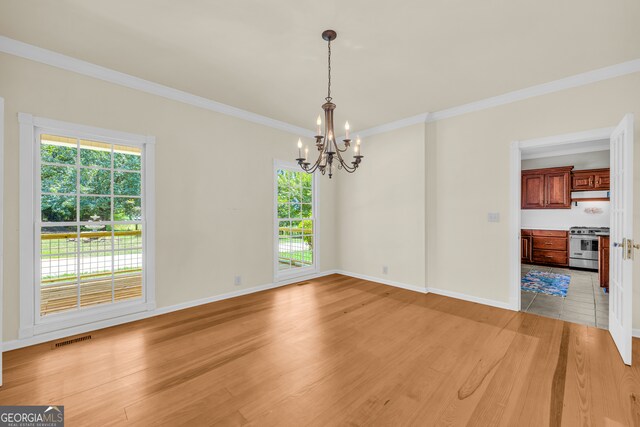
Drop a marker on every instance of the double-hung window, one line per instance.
(89, 226)
(296, 222)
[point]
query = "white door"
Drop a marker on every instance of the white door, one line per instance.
(1, 226)
(621, 265)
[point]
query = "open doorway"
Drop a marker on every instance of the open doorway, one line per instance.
(565, 217)
(565, 187)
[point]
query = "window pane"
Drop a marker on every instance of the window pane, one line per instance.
(95, 181)
(128, 237)
(96, 290)
(58, 241)
(128, 285)
(283, 210)
(128, 274)
(306, 188)
(57, 149)
(58, 208)
(126, 183)
(296, 210)
(127, 209)
(93, 264)
(306, 210)
(129, 158)
(95, 209)
(284, 228)
(58, 179)
(95, 154)
(284, 261)
(95, 278)
(58, 269)
(95, 237)
(307, 226)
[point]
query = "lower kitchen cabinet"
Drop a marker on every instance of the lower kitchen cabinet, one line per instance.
(526, 246)
(603, 261)
(548, 247)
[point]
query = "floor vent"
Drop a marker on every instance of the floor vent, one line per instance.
(72, 341)
(303, 283)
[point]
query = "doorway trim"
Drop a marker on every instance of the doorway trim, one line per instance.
(1, 232)
(515, 189)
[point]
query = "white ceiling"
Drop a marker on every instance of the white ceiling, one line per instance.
(391, 59)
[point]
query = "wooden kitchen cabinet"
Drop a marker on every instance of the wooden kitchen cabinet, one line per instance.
(590, 180)
(603, 261)
(547, 247)
(526, 247)
(548, 188)
(532, 191)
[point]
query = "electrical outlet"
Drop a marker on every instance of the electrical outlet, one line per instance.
(237, 281)
(385, 269)
(493, 216)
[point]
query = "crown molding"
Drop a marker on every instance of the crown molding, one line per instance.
(398, 124)
(577, 80)
(54, 59)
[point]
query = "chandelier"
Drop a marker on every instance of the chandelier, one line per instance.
(330, 155)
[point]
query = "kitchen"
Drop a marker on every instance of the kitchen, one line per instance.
(564, 236)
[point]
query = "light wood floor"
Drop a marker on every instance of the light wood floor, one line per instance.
(334, 351)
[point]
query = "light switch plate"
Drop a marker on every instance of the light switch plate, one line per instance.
(493, 217)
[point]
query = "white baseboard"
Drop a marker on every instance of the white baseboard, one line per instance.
(471, 298)
(450, 294)
(383, 281)
(93, 326)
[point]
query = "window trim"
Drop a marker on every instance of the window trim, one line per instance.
(31, 323)
(283, 275)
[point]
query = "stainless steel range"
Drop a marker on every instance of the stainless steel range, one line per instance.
(583, 246)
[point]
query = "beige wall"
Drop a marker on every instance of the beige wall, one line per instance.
(465, 167)
(418, 204)
(381, 209)
(470, 161)
(214, 181)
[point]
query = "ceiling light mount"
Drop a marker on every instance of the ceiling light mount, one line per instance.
(329, 35)
(329, 151)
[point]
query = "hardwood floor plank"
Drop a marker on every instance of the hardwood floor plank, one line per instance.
(334, 351)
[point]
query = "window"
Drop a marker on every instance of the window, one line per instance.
(90, 223)
(90, 244)
(296, 225)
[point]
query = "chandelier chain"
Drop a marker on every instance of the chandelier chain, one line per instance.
(328, 99)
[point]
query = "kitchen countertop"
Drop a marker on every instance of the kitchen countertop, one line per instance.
(525, 227)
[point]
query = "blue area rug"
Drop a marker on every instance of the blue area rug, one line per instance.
(546, 283)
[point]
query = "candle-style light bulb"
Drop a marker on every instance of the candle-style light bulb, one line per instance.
(319, 123)
(346, 128)
(306, 153)
(358, 148)
(355, 150)
(299, 147)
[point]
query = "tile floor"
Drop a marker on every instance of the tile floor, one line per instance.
(585, 302)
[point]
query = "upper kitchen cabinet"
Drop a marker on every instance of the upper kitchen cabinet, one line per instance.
(546, 188)
(589, 180)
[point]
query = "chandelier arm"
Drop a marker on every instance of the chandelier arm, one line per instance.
(346, 167)
(315, 166)
(342, 150)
